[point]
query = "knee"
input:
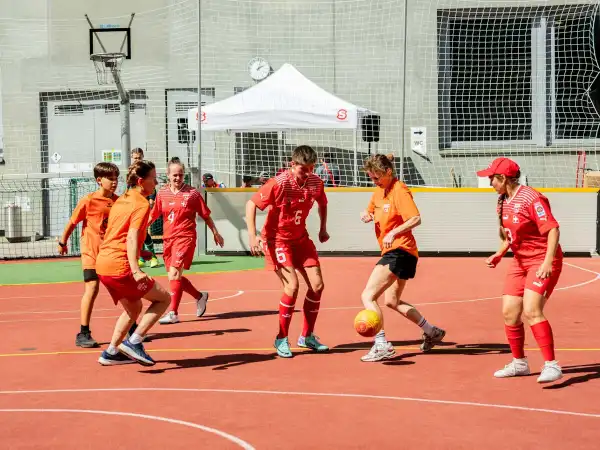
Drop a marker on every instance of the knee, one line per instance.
(511, 316)
(367, 297)
(174, 274)
(391, 302)
(318, 287)
(291, 289)
(533, 315)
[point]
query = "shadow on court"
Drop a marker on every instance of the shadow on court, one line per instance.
(235, 315)
(451, 348)
(586, 373)
(182, 334)
(207, 262)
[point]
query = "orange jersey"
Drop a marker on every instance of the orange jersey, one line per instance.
(131, 210)
(92, 210)
(390, 211)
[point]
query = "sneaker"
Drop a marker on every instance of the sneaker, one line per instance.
(379, 352)
(85, 340)
(516, 368)
(430, 341)
(153, 262)
(169, 317)
(550, 372)
(141, 262)
(201, 304)
(283, 347)
(106, 359)
(311, 341)
(137, 352)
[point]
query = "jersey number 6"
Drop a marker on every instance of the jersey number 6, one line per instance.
(298, 217)
(280, 255)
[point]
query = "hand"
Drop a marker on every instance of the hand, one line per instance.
(139, 275)
(323, 236)
(388, 240)
(62, 250)
(218, 239)
(493, 260)
(256, 245)
(366, 216)
(544, 271)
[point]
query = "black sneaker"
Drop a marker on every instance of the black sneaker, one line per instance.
(85, 340)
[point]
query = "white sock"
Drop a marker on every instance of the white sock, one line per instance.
(380, 338)
(426, 326)
(112, 350)
(136, 339)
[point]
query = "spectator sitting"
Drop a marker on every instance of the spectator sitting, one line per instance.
(246, 181)
(263, 177)
(208, 181)
(328, 172)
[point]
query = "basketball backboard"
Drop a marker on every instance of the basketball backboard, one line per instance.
(114, 40)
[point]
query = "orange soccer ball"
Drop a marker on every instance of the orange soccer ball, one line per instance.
(367, 323)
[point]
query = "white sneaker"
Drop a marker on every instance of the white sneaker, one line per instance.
(550, 372)
(201, 304)
(379, 352)
(168, 318)
(516, 368)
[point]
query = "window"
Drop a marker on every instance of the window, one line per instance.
(520, 75)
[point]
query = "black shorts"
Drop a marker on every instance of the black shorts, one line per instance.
(90, 275)
(401, 263)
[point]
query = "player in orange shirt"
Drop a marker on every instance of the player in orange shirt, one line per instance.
(118, 269)
(92, 211)
(287, 247)
(178, 204)
(395, 214)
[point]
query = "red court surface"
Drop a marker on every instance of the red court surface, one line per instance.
(218, 384)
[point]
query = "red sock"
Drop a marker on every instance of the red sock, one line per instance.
(176, 293)
(516, 339)
(543, 335)
(286, 309)
(312, 302)
(189, 288)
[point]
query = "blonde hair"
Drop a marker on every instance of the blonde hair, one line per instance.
(379, 163)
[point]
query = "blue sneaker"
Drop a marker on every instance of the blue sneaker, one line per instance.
(311, 341)
(106, 359)
(283, 347)
(137, 352)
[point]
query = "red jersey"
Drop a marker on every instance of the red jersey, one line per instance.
(290, 205)
(527, 219)
(179, 210)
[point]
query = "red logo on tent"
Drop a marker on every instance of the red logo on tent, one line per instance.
(203, 116)
(342, 114)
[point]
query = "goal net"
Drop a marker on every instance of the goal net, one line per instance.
(444, 85)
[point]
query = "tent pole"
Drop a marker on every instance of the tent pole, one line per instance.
(355, 158)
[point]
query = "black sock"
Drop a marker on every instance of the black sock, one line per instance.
(85, 329)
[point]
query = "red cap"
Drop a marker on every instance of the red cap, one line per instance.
(500, 166)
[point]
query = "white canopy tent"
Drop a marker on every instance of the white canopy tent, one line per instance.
(286, 100)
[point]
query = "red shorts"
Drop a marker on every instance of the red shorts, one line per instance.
(298, 254)
(179, 252)
(521, 275)
(125, 286)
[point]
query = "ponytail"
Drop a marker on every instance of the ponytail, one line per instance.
(138, 171)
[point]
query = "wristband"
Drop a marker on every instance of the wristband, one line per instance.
(62, 245)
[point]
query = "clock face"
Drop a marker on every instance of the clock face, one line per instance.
(259, 69)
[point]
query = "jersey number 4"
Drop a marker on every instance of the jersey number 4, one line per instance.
(171, 216)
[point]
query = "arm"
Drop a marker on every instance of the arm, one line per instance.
(218, 238)
(132, 252)
(156, 211)
(322, 202)
(62, 243)
(253, 239)
(79, 214)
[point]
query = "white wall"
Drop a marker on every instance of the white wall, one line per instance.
(452, 221)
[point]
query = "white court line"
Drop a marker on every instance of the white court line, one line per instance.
(220, 433)
(333, 308)
(106, 295)
(237, 294)
(483, 299)
(312, 394)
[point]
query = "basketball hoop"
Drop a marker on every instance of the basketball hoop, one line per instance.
(108, 66)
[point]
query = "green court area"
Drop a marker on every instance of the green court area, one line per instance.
(69, 269)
